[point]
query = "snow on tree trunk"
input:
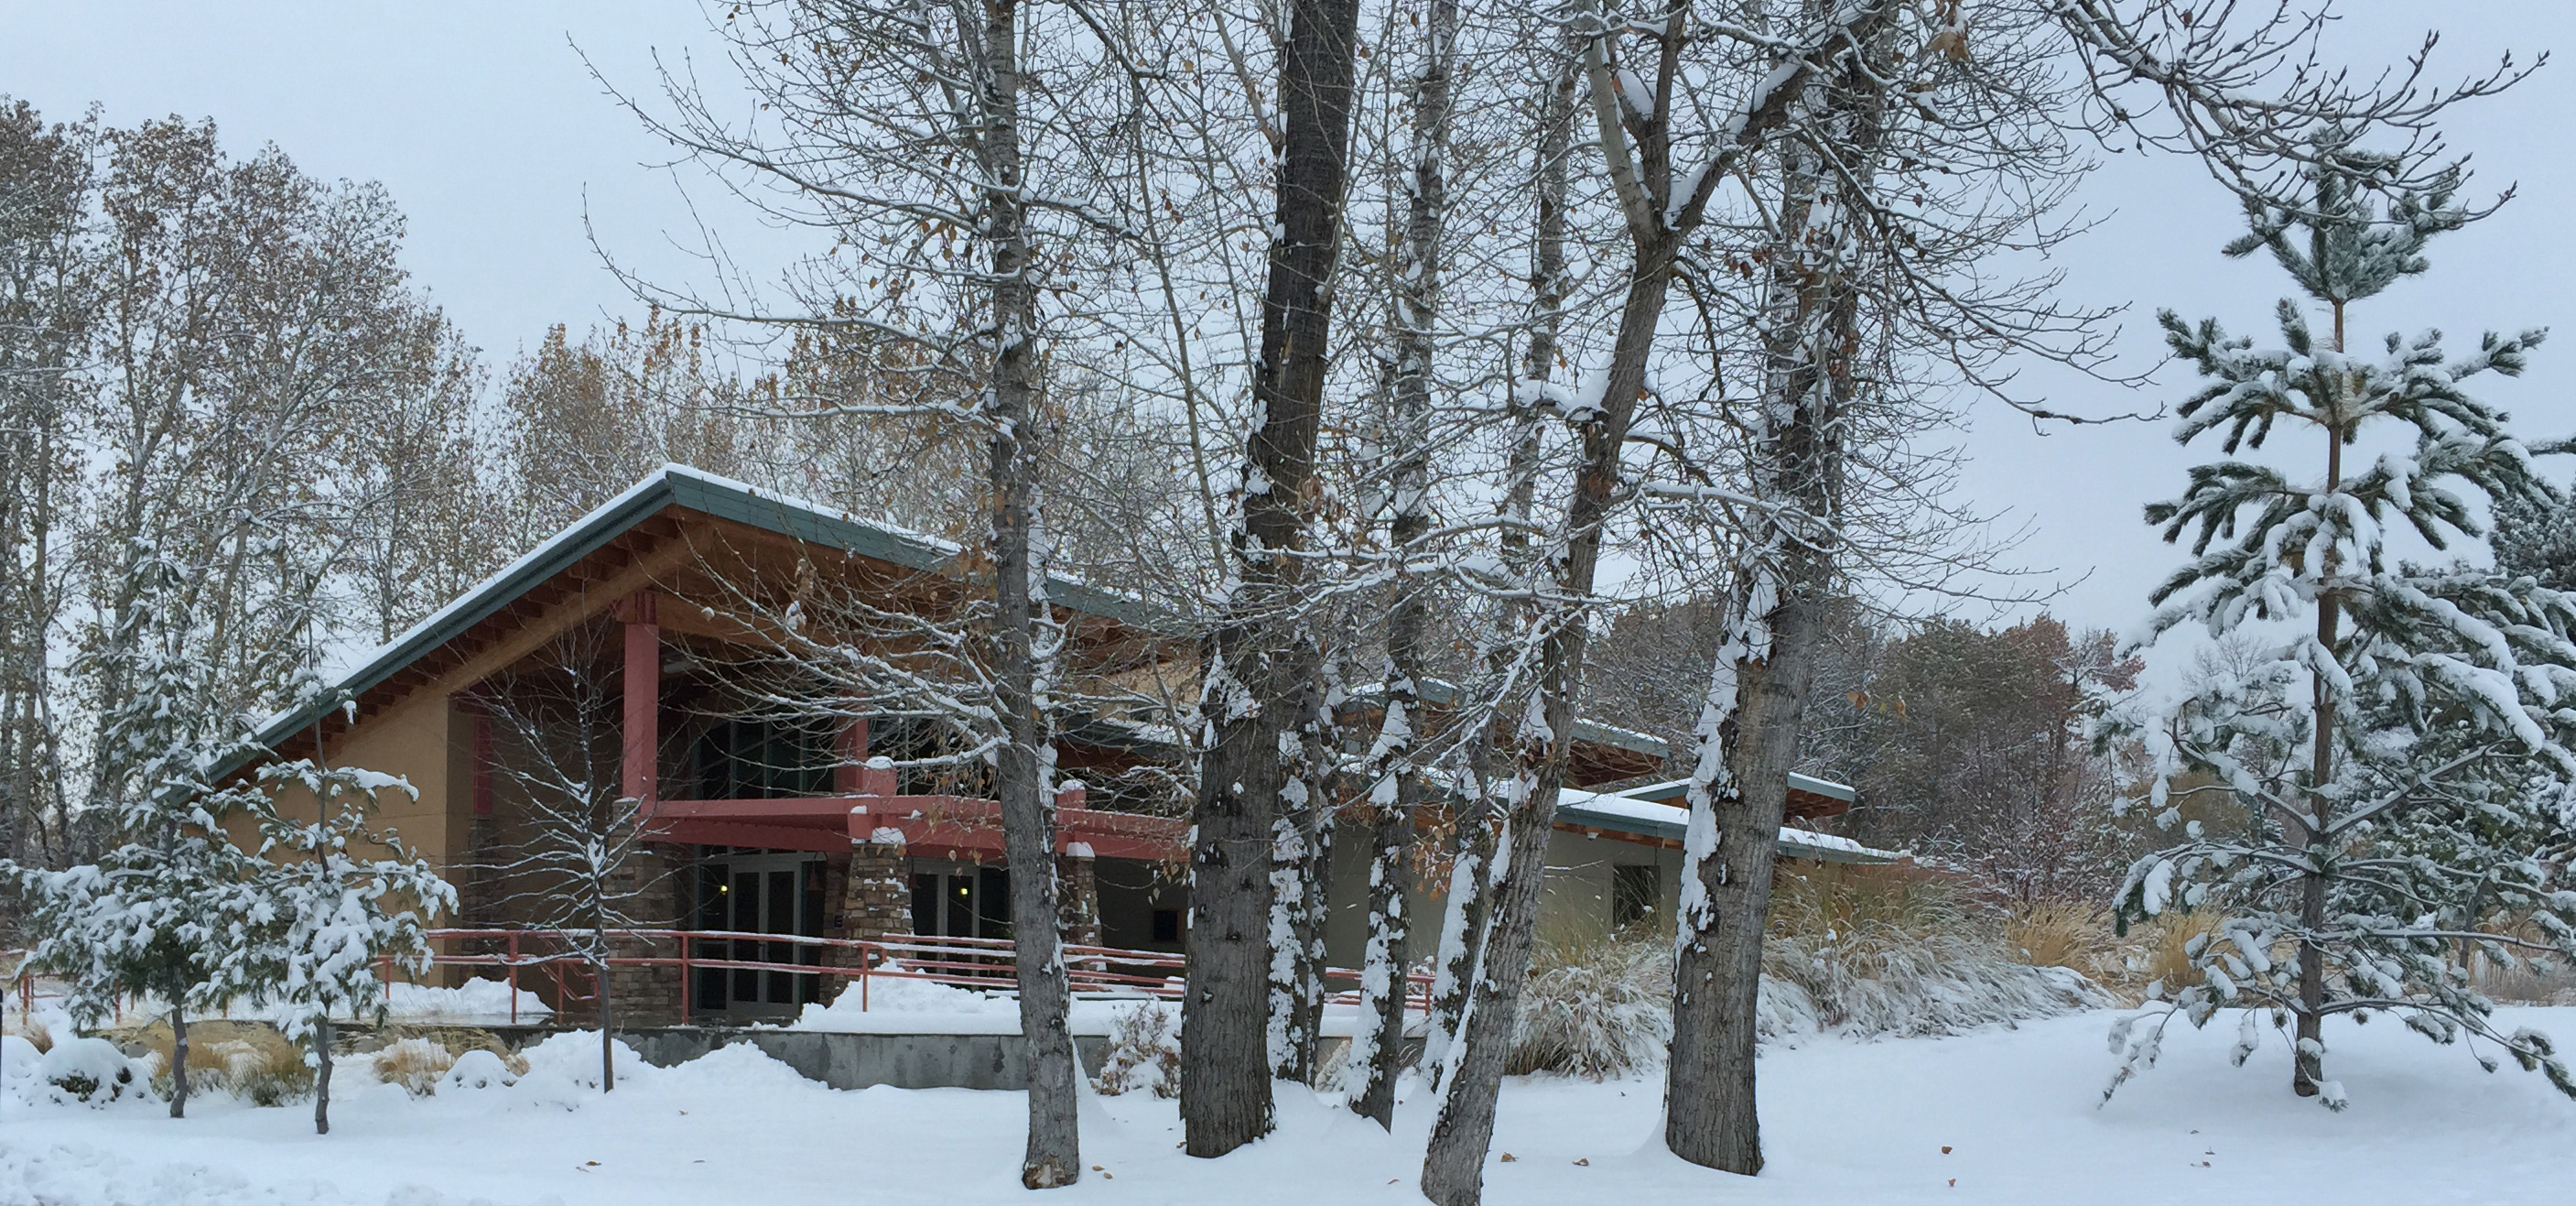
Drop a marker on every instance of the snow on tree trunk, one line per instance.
(1254, 667)
(1377, 1047)
(1661, 209)
(1467, 906)
(1023, 765)
(1300, 865)
(1760, 679)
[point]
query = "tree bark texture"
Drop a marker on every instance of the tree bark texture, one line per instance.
(1766, 665)
(178, 1059)
(1053, 1156)
(1254, 667)
(1378, 1048)
(322, 1076)
(1453, 1167)
(1468, 907)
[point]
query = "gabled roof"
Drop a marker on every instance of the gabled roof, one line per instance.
(693, 490)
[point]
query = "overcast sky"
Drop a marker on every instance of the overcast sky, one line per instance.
(498, 145)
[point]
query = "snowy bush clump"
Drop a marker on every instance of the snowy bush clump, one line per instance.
(414, 1063)
(1144, 1054)
(84, 1069)
(1605, 1013)
(1858, 952)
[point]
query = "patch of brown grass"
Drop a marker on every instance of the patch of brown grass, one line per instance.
(414, 1063)
(247, 1059)
(37, 1035)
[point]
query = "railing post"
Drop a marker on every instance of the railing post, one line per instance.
(514, 977)
(685, 977)
(864, 962)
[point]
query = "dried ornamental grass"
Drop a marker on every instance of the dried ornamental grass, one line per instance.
(417, 1064)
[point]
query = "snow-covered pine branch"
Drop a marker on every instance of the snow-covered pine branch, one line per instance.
(2398, 743)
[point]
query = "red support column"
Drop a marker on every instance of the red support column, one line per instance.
(848, 774)
(643, 731)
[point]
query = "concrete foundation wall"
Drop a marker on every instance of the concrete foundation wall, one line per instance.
(857, 1061)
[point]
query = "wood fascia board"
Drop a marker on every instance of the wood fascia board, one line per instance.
(531, 636)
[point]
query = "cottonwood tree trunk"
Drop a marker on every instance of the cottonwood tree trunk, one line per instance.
(1463, 928)
(1396, 791)
(1453, 1167)
(1054, 1155)
(1254, 667)
(1765, 667)
(1300, 873)
(1662, 209)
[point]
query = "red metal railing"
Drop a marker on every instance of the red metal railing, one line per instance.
(971, 963)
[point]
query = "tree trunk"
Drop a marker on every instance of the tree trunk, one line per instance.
(1053, 1156)
(607, 1019)
(1453, 1169)
(1748, 732)
(1468, 907)
(1396, 783)
(1377, 1049)
(1253, 666)
(322, 1076)
(1463, 930)
(178, 1059)
(1298, 873)
(2307, 1065)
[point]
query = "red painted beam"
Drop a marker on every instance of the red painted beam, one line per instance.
(825, 811)
(934, 826)
(756, 836)
(642, 734)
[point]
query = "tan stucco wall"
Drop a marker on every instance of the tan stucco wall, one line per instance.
(1574, 911)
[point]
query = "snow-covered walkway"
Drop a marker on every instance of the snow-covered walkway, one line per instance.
(2010, 1116)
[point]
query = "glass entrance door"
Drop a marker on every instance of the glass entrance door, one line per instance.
(758, 894)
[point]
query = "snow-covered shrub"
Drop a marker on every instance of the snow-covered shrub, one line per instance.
(87, 1069)
(416, 1064)
(1597, 1012)
(480, 1069)
(1144, 1053)
(1899, 951)
(1860, 951)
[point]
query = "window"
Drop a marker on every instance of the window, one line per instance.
(1167, 925)
(1636, 894)
(764, 760)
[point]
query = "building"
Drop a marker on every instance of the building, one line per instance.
(631, 648)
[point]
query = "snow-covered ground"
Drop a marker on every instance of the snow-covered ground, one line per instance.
(1999, 1116)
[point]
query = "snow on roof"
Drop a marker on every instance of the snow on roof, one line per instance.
(1673, 789)
(1626, 813)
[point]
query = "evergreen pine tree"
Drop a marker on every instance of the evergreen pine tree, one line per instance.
(2536, 538)
(2399, 757)
(336, 915)
(172, 909)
